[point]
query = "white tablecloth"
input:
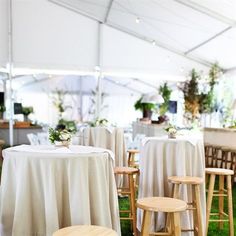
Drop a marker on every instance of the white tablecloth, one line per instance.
(46, 188)
(163, 157)
(109, 138)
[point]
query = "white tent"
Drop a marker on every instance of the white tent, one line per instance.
(135, 44)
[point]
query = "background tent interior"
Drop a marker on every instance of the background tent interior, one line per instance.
(103, 55)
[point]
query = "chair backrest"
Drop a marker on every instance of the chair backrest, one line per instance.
(33, 139)
(43, 138)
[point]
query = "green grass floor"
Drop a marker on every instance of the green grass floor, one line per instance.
(213, 227)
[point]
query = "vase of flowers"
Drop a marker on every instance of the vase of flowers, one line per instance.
(60, 137)
(172, 131)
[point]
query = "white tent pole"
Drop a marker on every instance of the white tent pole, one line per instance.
(99, 74)
(10, 65)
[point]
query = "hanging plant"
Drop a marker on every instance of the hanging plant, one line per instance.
(165, 92)
(191, 96)
(207, 100)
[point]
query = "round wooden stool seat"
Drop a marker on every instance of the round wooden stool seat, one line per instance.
(125, 170)
(185, 180)
(85, 230)
(219, 171)
(163, 204)
(135, 151)
(2, 142)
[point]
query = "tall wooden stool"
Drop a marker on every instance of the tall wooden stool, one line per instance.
(195, 205)
(85, 230)
(130, 191)
(161, 204)
(221, 193)
(131, 158)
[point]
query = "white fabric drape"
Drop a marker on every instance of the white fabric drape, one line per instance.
(42, 192)
(163, 157)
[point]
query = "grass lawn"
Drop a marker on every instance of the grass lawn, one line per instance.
(213, 227)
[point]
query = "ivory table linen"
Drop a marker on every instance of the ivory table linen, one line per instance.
(110, 138)
(45, 188)
(162, 157)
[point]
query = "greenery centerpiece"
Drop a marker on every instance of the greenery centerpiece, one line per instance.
(171, 130)
(146, 108)
(60, 137)
(26, 111)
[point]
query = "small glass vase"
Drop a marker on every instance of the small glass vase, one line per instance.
(171, 135)
(62, 143)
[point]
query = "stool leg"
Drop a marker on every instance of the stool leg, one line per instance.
(146, 223)
(132, 202)
(175, 194)
(129, 158)
(195, 216)
(221, 200)
(176, 222)
(209, 199)
(198, 210)
(230, 206)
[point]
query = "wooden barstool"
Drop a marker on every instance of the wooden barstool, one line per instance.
(131, 158)
(130, 191)
(161, 204)
(221, 193)
(85, 230)
(195, 205)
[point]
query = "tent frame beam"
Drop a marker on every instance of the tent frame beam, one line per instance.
(208, 40)
(134, 34)
(108, 10)
(207, 11)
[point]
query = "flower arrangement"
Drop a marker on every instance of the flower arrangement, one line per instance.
(172, 131)
(99, 122)
(59, 137)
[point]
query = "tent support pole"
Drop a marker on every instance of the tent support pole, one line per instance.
(10, 64)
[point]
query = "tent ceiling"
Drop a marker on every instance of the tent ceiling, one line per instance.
(200, 29)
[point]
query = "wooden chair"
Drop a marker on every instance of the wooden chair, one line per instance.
(131, 158)
(85, 230)
(195, 205)
(213, 155)
(221, 193)
(161, 204)
(130, 191)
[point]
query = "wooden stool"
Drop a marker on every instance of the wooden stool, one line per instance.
(196, 201)
(222, 173)
(161, 204)
(130, 191)
(85, 230)
(131, 158)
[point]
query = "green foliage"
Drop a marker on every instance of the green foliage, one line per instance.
(27, 110)
(191, 95)
(54, 135)
(98, 122)
(206, 101)
(70, 125)
(165, 92)
(143, 106)
(2, 108)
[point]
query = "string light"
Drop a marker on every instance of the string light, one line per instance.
(153, 42)
(137, 20)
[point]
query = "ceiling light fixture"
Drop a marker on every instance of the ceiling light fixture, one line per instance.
(137, 20)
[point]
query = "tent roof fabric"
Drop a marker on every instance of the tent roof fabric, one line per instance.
(202, 30)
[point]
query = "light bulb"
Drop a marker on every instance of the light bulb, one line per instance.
(137, 20)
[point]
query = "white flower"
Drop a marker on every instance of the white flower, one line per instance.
(65, 135)
(172, 131)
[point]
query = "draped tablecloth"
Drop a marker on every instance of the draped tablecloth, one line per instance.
(163, 157)
(110, 138)
(45, 188)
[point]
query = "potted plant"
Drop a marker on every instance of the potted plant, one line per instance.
(165, 92)
(2, 110)
(60, 137)
(146, 108)
(26, 111)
